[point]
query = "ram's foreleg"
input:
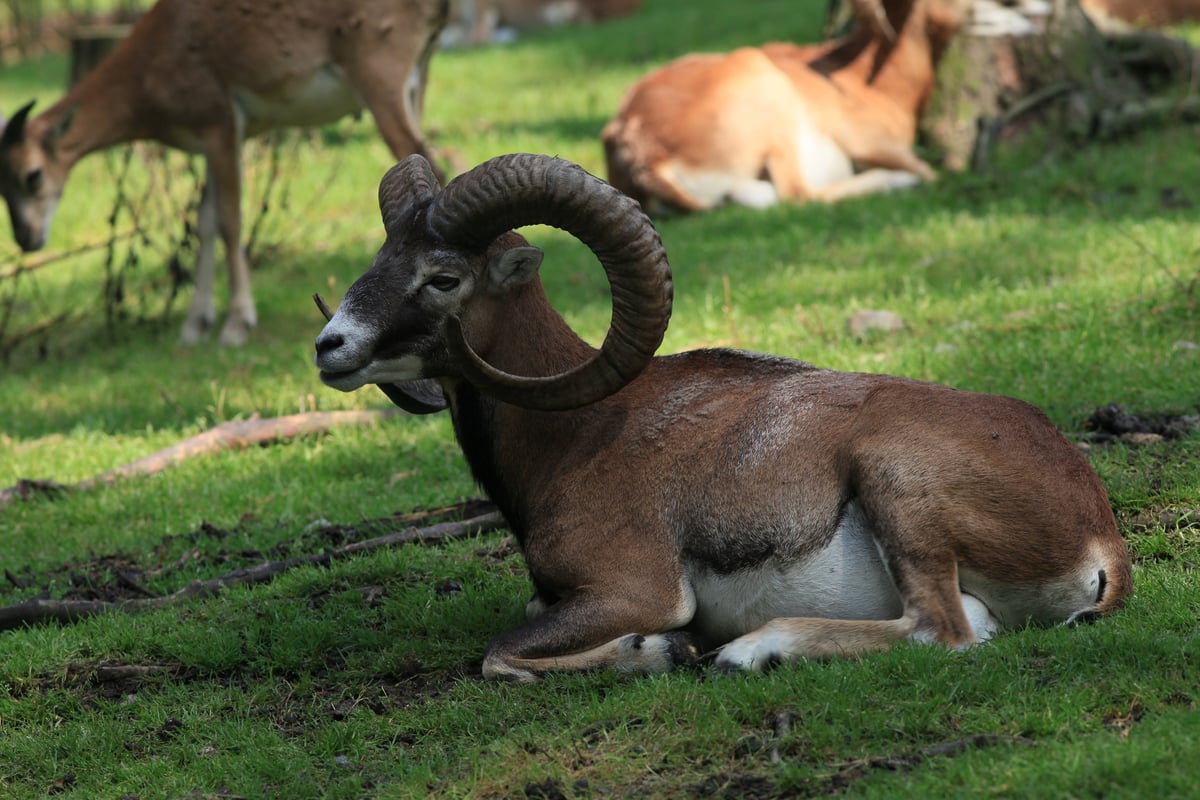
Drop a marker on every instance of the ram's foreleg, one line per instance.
(589, 631)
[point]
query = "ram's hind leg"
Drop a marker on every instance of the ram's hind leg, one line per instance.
(788, 638)
(935, 610)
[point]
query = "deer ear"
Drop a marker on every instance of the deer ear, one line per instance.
(60, 127)
(14, 129)
(514, 266)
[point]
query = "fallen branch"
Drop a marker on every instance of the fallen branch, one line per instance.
(1120, 120)
(26, 267)
(235, 435)
(36, 611)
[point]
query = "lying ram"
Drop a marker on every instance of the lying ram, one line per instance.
(667, 506)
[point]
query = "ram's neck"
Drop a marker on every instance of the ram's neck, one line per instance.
(522, 334)
(505, 446)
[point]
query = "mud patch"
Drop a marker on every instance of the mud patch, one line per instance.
(99, 682)
(740, 787)
(102, 683)
(1114, 423)
(1171, 520)
(854, 771)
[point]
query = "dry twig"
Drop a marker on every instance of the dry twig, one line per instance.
(39, 610)
(238, 434)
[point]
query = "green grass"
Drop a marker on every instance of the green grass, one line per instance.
(1066, 281)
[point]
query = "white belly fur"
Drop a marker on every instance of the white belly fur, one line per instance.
(846, 580)
(324, 97)
(822, 162)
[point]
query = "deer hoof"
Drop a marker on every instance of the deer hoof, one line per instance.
(197, 327)
(236, 331)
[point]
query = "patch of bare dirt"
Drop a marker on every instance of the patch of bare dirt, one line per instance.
(118, 577)
(101, 683)
(854, 771)
(1115, 423)
(105, 681)
(740, 786)
(1171, 519)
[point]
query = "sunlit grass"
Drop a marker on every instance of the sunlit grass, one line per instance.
(1067, 281)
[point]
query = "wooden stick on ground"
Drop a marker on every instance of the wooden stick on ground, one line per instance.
(33, 612)
(238, 434)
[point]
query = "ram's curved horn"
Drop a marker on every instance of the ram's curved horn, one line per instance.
(523, 189)
(406, 188)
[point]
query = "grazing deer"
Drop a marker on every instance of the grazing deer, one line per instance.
(714, 498)
(783, 121)
(201, 76)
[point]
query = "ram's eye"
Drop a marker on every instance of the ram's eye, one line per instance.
(33, 181)
(444, 283)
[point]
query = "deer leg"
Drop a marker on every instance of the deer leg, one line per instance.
(395, 101)
(886, 153)
(202, 314)
(485, 20)
(225, 170)
(884, 166)
(872, 181)
(590, 631)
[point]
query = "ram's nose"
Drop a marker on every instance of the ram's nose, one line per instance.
(336, 353)
(328, 343)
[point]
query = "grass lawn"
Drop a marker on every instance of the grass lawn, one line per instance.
(1065, 278)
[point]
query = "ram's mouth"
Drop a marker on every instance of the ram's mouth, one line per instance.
(347, 380)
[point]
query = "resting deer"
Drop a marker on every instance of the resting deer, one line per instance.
(715, 498)
(782, 121)
(201, 76)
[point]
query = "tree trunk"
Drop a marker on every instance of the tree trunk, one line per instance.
(1068, 80)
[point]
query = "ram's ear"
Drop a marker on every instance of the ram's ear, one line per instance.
(513, 267)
